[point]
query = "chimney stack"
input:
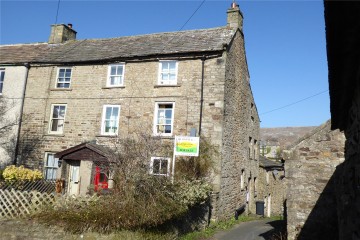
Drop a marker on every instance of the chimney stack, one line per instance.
(234, 16)
(61, 33)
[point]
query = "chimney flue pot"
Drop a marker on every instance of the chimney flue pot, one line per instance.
(70, 25)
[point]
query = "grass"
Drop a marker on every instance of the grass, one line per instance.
(216, 227)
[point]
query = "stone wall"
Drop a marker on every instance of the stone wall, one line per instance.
(348, 182)
(88, 94)
(310, 174)
(240, 150)
(11, 97)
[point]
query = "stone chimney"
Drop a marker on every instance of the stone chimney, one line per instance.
(234, 16)
(61, 33)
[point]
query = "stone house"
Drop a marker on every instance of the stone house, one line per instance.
(271, 187)
(165, 84)
(310, 184)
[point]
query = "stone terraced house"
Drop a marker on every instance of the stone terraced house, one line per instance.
(81, 94)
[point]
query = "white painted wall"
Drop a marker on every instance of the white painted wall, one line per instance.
(12, 93)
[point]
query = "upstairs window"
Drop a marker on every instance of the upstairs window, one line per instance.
(50, 167)
(110, 120)
(116, 75)
(160, 166)
(168, 72)
(57, 118)
(63, 78)
(2, 76)
(164, 117)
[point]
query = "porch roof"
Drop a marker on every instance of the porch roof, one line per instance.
(87, 152)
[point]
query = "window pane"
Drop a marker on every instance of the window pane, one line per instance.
(115, 113)
(61, 111)
(167, 128)
(62, 72)
(56, 112)
(164, 66)
(156, 166)
(164, 165)
(168, 113)
(113, 70)
(68, 73)
(164, 76)
(172, 76)
(108, 112)
(50, 160)
(172, 65)
(119, 70)
(1, 87)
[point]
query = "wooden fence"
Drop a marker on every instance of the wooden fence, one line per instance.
(19, 199)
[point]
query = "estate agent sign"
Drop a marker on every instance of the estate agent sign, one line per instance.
(186, 146)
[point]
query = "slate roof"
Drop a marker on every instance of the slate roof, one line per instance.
(92, 50)
(99, 149)
(266, 163)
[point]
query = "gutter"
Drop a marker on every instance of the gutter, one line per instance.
(27, 65)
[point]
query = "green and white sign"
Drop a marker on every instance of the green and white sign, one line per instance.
(187, 146)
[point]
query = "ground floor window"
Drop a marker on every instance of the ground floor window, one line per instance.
(160, 166)
(50, 166)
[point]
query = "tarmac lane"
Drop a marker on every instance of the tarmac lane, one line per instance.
(254, 230)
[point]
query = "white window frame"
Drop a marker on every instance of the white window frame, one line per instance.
(122, 75)
(161, 159)
(57, 77)
(2, 79)
(167, 82)
(242, 179)
(55, 167)
(156, 133)
(51, 119)
(103, 119)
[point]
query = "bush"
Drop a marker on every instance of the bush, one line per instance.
(138, 200)
(13, 173)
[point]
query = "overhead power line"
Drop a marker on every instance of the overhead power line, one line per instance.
(290, 104)
(57, 12)
(192, 15)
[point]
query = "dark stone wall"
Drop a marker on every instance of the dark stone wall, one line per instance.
(311, 191)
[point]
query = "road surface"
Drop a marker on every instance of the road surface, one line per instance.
(254, 230)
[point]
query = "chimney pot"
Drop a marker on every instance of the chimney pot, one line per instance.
(70, 25)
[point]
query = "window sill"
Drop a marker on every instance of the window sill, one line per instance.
(110, 87)
(61, 89)
(163, 137)
(166, 85)
(108, 136)
(55, 134)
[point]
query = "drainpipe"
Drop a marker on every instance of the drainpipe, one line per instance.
(27, 65)
(202, 92)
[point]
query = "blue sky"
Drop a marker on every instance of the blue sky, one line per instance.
(284, 41)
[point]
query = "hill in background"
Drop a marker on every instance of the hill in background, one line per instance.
(283, 136)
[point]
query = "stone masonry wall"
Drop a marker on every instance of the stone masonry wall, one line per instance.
(311, 204)
(271, 190)
(88, 94)
(240, 136)
(348, 182)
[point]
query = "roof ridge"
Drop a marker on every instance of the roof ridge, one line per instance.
(22, 44)
(158, 33)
